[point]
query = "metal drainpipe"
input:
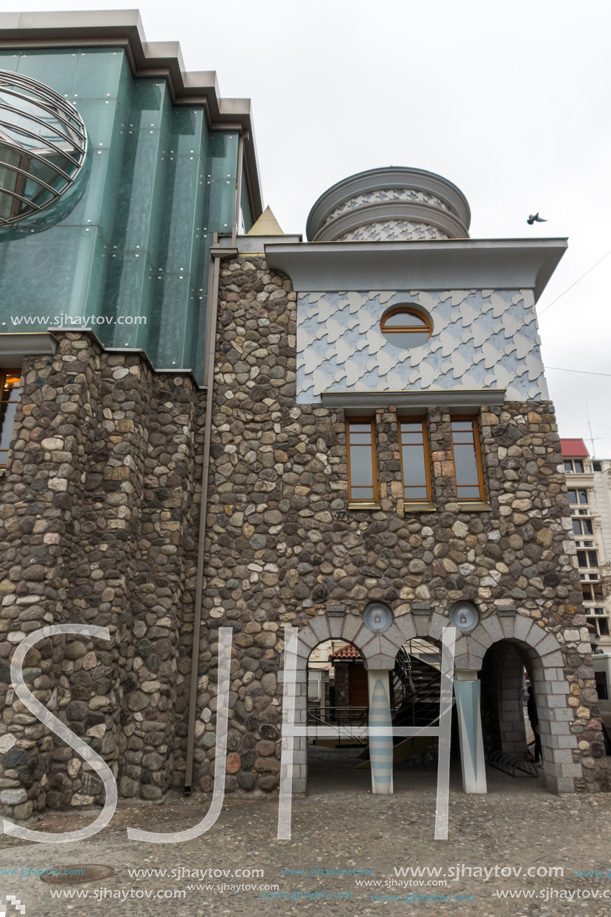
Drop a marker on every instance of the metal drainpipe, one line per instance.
(213, 290)
(238, 195)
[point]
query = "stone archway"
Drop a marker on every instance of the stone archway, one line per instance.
(379, 650)
(552, 690)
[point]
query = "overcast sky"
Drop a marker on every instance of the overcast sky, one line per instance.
(506, 98)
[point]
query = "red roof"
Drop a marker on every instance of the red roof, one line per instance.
(346, 652)
(574, 448)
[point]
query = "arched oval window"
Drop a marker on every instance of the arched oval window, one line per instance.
(406, 326)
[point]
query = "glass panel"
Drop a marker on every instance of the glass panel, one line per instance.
(583, 496)
(362, 493)
(587, 527)
(572, 496)
(8, 409)
(404, 319)
(246, 220)
(577, 526)
(468, 492)
(416, 493)
(578, 466)
(462, 426)
(593, 558)
(360, 439)
(411, 438)
(603, 627)
(360, 428)
(582, 559)
(602, 688)
(361, 466)
(465, 465)
(406, 339)
(7, 419)
(414, 471)
(568, 465)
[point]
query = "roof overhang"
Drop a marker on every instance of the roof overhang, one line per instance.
(123, 28)
(452, 264)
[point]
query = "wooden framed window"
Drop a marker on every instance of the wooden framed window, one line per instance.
(406, 326)
(9, 399)
(415, 463)
(362, 460)
(468, 472)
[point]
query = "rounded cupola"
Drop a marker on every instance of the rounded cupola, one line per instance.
(394, 204)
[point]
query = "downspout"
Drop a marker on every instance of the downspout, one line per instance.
(238, 195)
(211, 321)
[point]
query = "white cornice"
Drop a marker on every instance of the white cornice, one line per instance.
(452, 264)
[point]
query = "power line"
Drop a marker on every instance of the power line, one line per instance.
(582, 372)
(574, 285)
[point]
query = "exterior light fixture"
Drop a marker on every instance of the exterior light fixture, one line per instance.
(464, 616)
(377, 617)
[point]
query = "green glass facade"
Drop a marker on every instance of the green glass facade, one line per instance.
(131, 257)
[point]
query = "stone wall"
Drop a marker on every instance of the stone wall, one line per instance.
(282, 543)
(98, 525)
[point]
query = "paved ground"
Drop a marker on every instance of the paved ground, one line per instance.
(338, 826)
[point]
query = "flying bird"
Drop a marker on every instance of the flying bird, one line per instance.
(535, 219)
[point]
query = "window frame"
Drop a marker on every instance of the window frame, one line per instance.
(582, 522)
(462, 418)
(4, 372)
(602, 685)
(371, 420)
(578, 491)
(593, 589)
(587, 554)
(427, 458)
(408, 309)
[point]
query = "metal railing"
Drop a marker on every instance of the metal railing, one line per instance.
(351, 722)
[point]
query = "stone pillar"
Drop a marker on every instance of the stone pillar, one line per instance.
(380, 747)
(40, 537)
(467, 690)
(444, 489)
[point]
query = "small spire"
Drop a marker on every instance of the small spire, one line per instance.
(266, 225)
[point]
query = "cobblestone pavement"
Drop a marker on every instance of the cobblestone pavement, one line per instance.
(338, 826)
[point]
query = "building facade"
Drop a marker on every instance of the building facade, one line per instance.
(351, 436)
(589, 492)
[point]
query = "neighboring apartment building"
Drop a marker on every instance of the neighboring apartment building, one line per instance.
(350, 435)
(589, 490)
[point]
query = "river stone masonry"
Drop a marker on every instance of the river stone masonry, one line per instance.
(98, 518)
(283, 544)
